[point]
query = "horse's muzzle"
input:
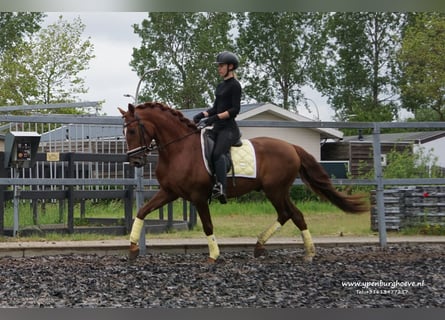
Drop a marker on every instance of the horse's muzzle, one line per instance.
(138, 156)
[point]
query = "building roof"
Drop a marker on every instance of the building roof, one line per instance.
(419, 137)
(250, 110)
(82, 131)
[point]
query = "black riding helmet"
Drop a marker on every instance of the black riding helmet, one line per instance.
(227, 57)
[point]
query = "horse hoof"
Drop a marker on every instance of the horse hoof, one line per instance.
(211, 260)
(260, 251)
(133, 253)
(308, 259)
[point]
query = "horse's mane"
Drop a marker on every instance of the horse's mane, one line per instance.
(163, 107)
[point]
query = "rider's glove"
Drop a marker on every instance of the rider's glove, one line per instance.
(198, 117)
(212, 119)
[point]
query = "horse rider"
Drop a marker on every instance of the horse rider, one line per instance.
(222, 116)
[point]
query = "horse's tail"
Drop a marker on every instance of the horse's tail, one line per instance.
(315, 177)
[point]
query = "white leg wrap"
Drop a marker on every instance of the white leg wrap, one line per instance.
(269, 232)
(136, 230)
(213, 247)
(308, 243)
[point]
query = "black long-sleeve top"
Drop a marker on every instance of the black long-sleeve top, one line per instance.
(227, 98)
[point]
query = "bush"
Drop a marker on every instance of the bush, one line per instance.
(407, 164)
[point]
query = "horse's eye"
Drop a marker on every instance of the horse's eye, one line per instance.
(131, 131)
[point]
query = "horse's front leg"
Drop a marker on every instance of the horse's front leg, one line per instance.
(161, 198)
(206, 220)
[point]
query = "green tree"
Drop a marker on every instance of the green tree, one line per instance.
(278, 50)
(60, 55)
(410, 163)
(15, 26)
(422, 59)
(17, 85)
(183, 46)
(360, 72)
(47, 68)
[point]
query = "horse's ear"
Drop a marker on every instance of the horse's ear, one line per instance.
(131, 107)
(122, 111)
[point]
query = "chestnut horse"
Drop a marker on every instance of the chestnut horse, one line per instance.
(181, 173)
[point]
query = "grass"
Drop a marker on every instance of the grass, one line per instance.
(249, 219)
(235, 219)
(240, 225)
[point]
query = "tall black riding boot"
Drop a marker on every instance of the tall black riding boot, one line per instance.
(219, 189)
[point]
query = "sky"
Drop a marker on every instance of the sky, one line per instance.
(110, 75)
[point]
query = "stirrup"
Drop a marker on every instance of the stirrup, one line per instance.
(218, 193)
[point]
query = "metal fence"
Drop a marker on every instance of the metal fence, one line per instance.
(379, 182)
(101, 176)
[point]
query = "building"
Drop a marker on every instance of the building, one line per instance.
(357, 151)
(308, 138)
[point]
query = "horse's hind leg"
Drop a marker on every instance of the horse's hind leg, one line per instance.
(279, 204)
(260, 249)
(298, 219)
(286, 210)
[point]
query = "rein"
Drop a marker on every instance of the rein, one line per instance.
(173, 141)
(146, 149)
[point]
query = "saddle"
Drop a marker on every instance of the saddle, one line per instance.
(208, 144)
(240, 159)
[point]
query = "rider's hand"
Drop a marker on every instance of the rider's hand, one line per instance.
(212, 119)
(198, 117)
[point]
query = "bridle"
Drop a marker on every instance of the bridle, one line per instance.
(144, 147)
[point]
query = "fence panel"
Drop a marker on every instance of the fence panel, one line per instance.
(78, 136)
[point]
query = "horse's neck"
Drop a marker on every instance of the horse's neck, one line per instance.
(172, 134)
